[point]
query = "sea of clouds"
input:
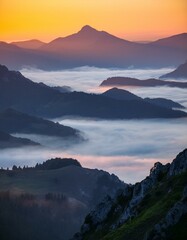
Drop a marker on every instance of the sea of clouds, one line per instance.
(127, 148)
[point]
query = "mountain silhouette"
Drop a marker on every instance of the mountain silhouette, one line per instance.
(36, 99)
(176, 41)
(124, 95)
(13, 121)
(96, 48)
(127, 81)
(120, 94)
(179, 73)
(8, 141)
(30, 44)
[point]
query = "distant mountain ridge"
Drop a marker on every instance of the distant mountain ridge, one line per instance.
(29, 44)
(178, 41)
(152, 82)
(179, 73)
(13, 121)
(90, 47)
(8, 141)
(36, 99)
(121, 94)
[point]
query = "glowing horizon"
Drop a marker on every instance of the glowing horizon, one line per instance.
(135, 20)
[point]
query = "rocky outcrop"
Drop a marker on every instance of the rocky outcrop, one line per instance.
(139, 191)
(179, 164)
(125, 205)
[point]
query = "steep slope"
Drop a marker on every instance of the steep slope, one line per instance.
(147, 210)
(22, 94)
(127, 81)
(8, 141)
(179, 73)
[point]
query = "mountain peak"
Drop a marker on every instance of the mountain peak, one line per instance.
(88, 28)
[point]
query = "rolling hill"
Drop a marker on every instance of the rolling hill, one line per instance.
(50, 200)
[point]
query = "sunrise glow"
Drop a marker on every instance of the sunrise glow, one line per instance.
(132, 19)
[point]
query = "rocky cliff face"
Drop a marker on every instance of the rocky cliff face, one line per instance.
(136, 200)
(179, 164)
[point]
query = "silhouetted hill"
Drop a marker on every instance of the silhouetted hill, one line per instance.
(127, 81)
(51, 202)
(56, 163)
(176, 41)
(179, 73)
(83, 40)
(20, 93)
(91, 47)
(121, 94)
(13, 121)
(155, 208)
(99, 48)
(98, 106)
(29, 44)
(16, 58)
(8, 141)
(164, 102)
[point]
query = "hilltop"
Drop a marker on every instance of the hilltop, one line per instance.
(50, 200)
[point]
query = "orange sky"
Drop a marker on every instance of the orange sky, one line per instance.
(129, 19)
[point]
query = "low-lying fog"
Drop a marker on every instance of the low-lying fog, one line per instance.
(128, 148)
(88, 79)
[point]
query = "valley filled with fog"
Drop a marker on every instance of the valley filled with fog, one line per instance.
(86, 78)
(127, 148)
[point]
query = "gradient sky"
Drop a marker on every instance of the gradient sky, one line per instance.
(129, 19)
